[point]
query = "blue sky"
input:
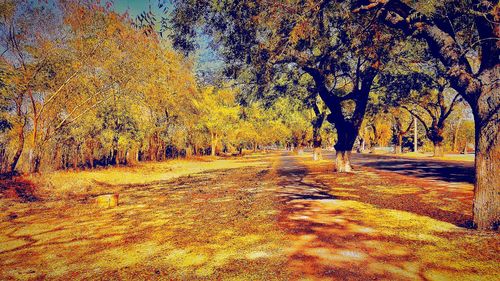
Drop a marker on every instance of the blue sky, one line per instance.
(135, 7)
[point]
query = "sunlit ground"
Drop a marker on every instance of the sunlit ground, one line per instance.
(262, 217)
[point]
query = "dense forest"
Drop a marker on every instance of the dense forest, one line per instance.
(85, 87)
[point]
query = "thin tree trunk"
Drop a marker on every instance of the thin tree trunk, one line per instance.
(399, 141)
(91, 155)
(455, 135)
(34, 158)
(189, 151)
(299, 149)
(114, 154)
(75, 159)
(3, 160)
(19, 150)
(415, 135)
(213, 144)
(317, 155)
(317, 141)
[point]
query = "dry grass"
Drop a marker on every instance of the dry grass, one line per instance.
(73, 183)
(382, 225)
(262, 217)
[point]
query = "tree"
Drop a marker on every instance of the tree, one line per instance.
(218, 113)
(432, 104)
(428, 98)
(342, 54)
(402, 123)
(19, 23)
(85, 88)
(458, 128)
(320, 114)
(300, 86)
(464, 36)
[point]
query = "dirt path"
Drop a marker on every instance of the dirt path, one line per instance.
(284, 219)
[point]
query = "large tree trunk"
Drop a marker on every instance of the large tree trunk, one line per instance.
(487, 186)
(347, 134)
(35, 159)
(212, 149)
(343, 161)
(438, 149)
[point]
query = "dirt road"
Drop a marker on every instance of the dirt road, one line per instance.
(275, 217)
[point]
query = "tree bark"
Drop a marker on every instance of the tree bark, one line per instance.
(114, 152)
(347, 128)
(455, 135)
(435, 134)
(486, 208)
(75, 159)
(213, 144)
(189, 151)
(317, 155)
(19, 150)
(438, 149)
(299, 149)
(399, 142)
(317, 124)
(346, 134)
(399, 134)
(317, 144)
(343, 161)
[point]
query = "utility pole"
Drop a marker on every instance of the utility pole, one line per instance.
(415, 140)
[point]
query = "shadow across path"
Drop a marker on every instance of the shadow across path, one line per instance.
(432, 169)
(375, 226)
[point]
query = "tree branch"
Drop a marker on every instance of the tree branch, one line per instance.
(418, 117)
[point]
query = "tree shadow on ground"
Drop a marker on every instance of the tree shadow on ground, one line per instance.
(432, 169)
(357, 233)
(213, 225)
